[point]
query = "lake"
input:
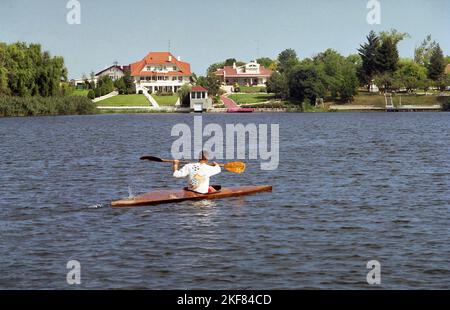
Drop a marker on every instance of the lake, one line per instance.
(350, 187)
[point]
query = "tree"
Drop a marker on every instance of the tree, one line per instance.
(183, 94)
(278, 84)
(422, 53)
(387, 57)
(211, 83)
(306, 83)
(265, 61)
(26, 70)
(369, 57)
(394, 35)
(411, 75)
(436, 68)
(214, 67)
(229, 62)
(287, 60)
(385, 81)
(339, 74)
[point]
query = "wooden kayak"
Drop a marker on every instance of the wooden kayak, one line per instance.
(165, 196)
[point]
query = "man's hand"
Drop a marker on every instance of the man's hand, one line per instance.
(215, 164)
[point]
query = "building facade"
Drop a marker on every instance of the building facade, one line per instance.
(199, 100)
(250, 74)
(115, 72)
(160, 72)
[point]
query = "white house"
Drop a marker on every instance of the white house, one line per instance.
(115, 72)
(250, 74)
(160, 72)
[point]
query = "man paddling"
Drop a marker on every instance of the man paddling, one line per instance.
(198, 174)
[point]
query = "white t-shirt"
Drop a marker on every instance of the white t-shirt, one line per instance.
(198, 176)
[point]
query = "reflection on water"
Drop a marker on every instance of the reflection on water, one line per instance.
(351, 187)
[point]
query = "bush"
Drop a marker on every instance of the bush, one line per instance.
(445, 103)
(237, 89)
(36, 106)
(91, 94)
(263, 90)
(164, 93)
(98, 92)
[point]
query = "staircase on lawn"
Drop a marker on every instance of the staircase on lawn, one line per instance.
(148, 96)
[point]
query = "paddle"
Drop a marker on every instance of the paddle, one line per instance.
(235, 167)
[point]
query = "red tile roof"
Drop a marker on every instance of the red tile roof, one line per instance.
(231, 72)
(160, 58)
(198, 88)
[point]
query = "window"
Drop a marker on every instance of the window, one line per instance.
(174, 68)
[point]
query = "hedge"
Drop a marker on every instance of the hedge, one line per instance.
(35, 106)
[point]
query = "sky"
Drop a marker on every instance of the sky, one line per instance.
(203, 32)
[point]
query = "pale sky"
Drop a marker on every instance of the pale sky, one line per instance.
(206, 31)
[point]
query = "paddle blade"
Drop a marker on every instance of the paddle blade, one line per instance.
(235, 167)
(152, 158)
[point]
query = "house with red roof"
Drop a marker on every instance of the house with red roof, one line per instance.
(250, 74)
(160, 72)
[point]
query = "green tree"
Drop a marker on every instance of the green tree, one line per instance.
(211, 83)
(306, 83)
(387, 57)
(183, 94)
(229, 62)
(287, 60)
(265, 61)
(411, 75)
(339, 74)
(422, 53)
(369, 57)
(278, 84)
(436, 68)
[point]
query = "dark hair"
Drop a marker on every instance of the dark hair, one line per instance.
(203, 155)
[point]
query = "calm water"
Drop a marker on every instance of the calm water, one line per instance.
(351, 187)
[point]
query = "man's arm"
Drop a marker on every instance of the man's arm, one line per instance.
(183, 172)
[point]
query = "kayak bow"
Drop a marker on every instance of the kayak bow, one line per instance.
(166, 196)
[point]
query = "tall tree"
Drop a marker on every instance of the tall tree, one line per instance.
(436, 68)
(422, 53)
(387, 56)
(278, 84)
(369, 56)
(306, 83)
(287, 60)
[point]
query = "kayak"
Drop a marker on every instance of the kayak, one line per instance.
(166, 196)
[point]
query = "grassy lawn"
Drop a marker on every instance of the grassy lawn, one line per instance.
(251, 89)
(251, 98)
(165, 100)
(124, 101)
(376, 100)
(80, 92)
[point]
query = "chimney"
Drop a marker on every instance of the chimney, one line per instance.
(179, 58)
(170, 58)
(234, 65)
